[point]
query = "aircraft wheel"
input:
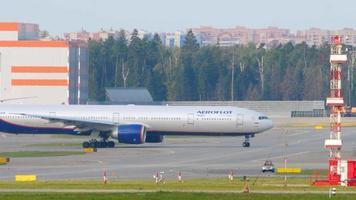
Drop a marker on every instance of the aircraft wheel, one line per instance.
(111, 144)
(93, 144)
(103, 144)
(86, 144)
(245, 144)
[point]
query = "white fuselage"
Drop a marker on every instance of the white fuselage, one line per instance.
(185, 120)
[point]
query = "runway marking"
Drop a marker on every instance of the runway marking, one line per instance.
(276, 157)
(254, 150)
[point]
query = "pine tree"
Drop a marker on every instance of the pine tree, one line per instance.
(187, 88)
(135, 61)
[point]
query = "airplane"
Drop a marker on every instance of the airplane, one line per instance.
(132, 124)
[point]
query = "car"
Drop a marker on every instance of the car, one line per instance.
(268, 166)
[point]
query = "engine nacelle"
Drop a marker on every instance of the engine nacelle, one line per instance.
(154, 138)
(130, 134)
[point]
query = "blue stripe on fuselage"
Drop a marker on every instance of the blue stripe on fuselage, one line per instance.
(182, 133)
(10, 127)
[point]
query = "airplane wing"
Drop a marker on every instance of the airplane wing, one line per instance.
(18, 98)
(80, 124)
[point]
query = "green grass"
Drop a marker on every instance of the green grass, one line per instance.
(190, 189)
(194, 184)
(314, 172)
(167, 195)
(22, 154)
(262, 183)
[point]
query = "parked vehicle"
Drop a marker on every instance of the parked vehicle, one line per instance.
(268, 166)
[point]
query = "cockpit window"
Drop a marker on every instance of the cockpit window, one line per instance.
(262, 117)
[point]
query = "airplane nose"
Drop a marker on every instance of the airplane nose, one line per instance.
(266, 125)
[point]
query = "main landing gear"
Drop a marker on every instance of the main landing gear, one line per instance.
(246, 143)
(93, 143)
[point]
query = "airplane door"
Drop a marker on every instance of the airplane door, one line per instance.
(239, 120)
(115, 117)
(190, 119)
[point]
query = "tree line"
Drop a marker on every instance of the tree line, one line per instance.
(193, 72)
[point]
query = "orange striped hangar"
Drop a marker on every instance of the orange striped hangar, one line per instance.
(39, 69)
(9, 26)
(33, 43)
(39, 82)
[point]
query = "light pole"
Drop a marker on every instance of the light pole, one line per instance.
(1, 85)
(350, 75)
(285, 157)
(232, 73)
(351, 54)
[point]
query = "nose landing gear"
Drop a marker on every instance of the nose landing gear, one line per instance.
(246, 143)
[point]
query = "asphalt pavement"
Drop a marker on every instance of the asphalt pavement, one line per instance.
(194, 157)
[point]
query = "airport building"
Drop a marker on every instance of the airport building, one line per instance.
(34, 71)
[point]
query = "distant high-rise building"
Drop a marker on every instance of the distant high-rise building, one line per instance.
(86, 36)
(241, 35)
(175, 39)
(317, 36)
(103, 35)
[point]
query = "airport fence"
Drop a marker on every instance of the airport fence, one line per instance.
(312, 113)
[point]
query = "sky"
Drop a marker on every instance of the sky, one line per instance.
(59, 16)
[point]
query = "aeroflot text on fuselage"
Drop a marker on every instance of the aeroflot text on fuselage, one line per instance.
(214, 112)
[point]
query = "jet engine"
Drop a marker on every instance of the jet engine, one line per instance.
(130, 134)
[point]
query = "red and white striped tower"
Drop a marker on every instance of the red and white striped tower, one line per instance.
(336, 104)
